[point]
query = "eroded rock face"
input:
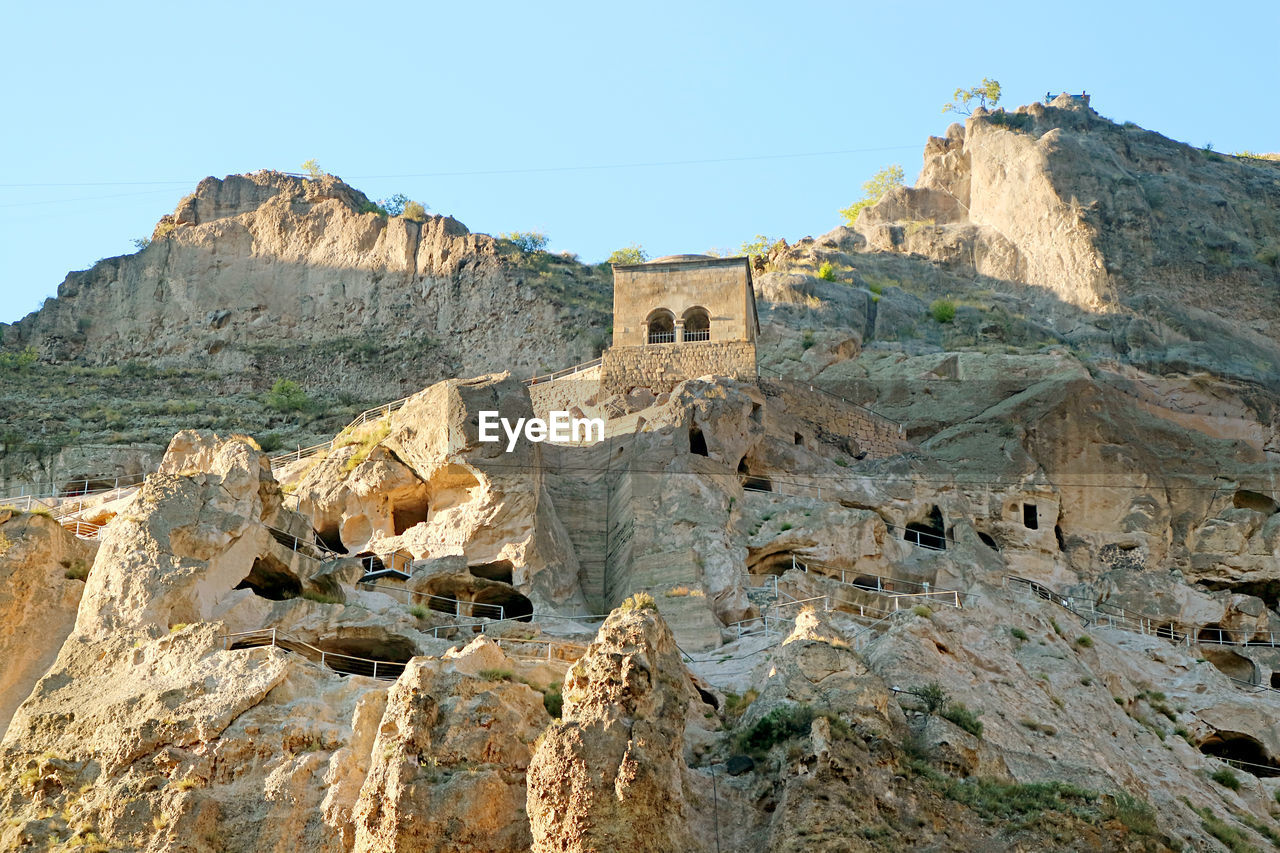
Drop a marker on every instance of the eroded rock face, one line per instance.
(421, 485)
(611, 775)
(271, 257)
(450, 757)
(42, 571)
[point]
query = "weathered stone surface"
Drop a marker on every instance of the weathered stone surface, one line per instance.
(612, 774)
(450, 757)
(42, 570)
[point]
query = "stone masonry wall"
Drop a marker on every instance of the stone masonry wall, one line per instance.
(566, 394)
(878, 437)
(660, 367)
(721, 286)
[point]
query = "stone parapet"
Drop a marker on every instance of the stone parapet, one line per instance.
(660, 367)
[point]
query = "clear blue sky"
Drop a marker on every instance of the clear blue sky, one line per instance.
(149, 100)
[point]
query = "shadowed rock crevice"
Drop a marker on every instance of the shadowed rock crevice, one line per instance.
(272, 579)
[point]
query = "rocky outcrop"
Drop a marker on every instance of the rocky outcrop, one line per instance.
(270, 261)
(612, 775)
(450, 757)
(421, 485)
(42, 572)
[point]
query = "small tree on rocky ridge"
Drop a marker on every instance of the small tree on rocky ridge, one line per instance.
(987, 95)
(873, 190)
(633, 254)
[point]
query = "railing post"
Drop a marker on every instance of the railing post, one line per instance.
(322, 663)
(375, 669)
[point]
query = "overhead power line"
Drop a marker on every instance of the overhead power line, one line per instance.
(520, 171)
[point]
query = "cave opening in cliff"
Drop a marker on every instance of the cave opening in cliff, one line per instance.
(1275, 681)
(1030, 517)
(1246, 499)
(443, 602)
(408, 512)
(499, 570)
(85, 485)
(798, 439)
(753, 482)
(330, 537)
(388, 647)
(371, 562)
(1216, 634)
(1234, 746)
(697, 442)
(1229, 663)
(988, 540)
(776, 563)
(379, 657)
(271, 579)
(1267, 590)
(929, 533)
(513, 604)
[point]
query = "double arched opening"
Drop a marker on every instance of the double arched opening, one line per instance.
(662, 327)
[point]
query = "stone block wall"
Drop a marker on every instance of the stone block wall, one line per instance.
(566, 394)
(660, 367)
(836, 418)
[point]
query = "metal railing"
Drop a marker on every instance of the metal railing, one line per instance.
(313, 548)
(439, 603)
(880, 585)
(393, 564)
(385, 670)
(83, 529)
(569, 651)
(560, 374)
(1105, 615)
(694, 335)
(360, 420)
(922, 538)
(661, 338)
(301, 453)
(70, 490)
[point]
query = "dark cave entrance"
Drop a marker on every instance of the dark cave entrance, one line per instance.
(753, 482)
(1234, 746)
(697, 442)
(408, 513)
(498, 570)
(930, 533)
(330, 538)
(513, 604)
(271, 579)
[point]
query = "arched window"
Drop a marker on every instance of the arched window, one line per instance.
(697, 325)
(662, 327)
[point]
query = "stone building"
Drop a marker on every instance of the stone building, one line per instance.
(680, 317)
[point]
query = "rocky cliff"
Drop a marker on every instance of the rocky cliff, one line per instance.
(1046, 618)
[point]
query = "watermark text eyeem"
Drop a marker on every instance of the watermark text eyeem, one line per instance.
(559, 428)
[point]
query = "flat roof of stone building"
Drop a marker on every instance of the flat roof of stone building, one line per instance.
(688, 260)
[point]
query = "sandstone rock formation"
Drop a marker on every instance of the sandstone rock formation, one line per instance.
(611, 774)
(42, 572)
(1082, 457)
(450, 757)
